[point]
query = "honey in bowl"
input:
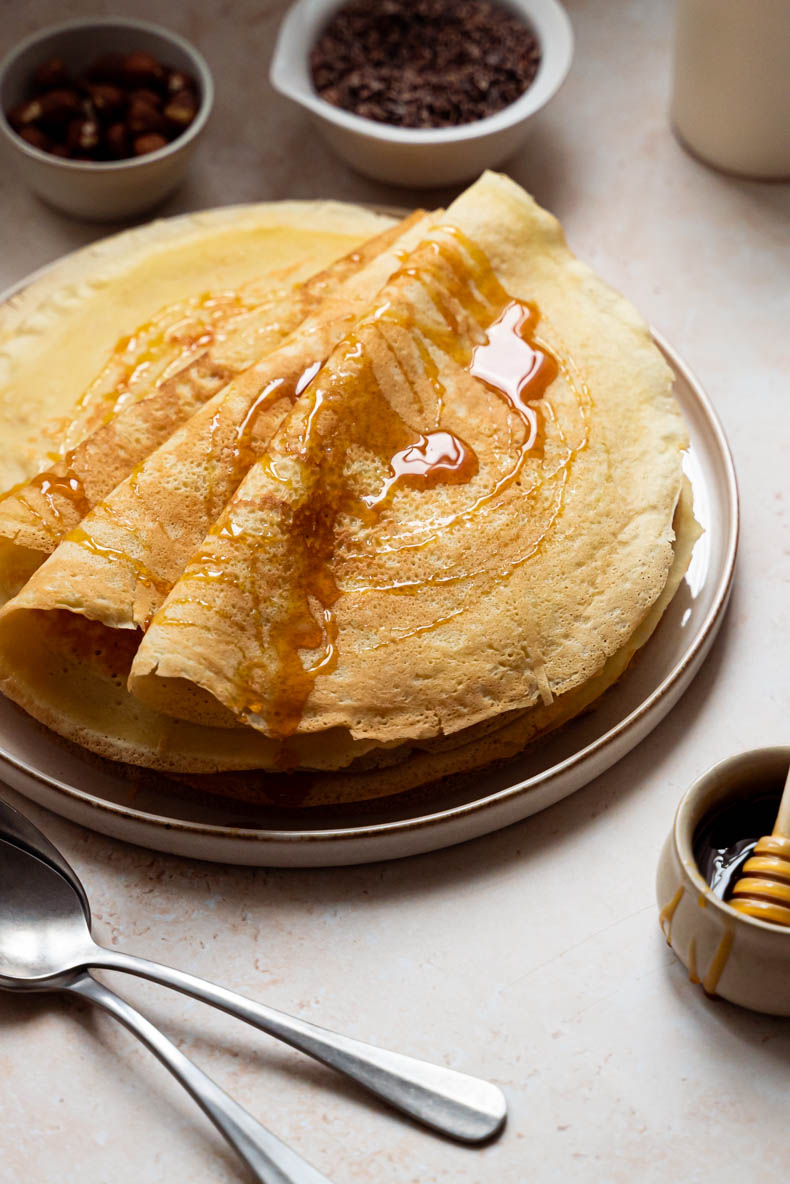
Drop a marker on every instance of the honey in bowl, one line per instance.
(735, 953)
(725, 839)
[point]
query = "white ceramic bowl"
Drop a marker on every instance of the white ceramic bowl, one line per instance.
(729, 953)
(421, 157)
(97, 189)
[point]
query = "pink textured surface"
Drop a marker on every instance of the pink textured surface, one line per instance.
(532, 957)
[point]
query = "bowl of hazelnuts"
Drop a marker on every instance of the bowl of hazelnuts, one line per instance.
(103, 115)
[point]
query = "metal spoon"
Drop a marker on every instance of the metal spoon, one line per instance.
(37, 910)
(17, 828)
(463, 1107)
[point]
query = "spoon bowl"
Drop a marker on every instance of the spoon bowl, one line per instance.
(16, 828)
(44, 935)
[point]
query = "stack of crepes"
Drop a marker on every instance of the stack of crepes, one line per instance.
(435, 518)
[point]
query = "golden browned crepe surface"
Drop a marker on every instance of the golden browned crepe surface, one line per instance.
(451, 535)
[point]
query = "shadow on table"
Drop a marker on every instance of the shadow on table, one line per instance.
(726, 1030)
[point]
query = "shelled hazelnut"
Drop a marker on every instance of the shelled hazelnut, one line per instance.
(122, 105)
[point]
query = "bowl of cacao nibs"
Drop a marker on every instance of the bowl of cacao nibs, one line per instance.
(102, 116)
(423, 92)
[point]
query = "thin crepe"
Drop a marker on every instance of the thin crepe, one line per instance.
(423, 764)
(112, 571)
(58, 331)
(154, 381)
(596, 500)
(333, 596)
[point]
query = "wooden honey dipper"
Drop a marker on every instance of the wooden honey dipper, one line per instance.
(763, 889)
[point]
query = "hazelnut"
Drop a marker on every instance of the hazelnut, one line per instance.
(179, 80)
(181, 109)
(150, 142)
(144, 117)
(58, 107)
(82, 137)
(25, 114)
(34, 135)
(117, 141)
(146, 95)
(141, 69)
(108, 100)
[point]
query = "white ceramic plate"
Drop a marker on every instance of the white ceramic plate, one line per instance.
(93, 793)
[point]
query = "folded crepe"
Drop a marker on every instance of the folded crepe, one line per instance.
(384, 771)
(154, 381)
(113, 570)
(452, 535)
(416, 553)
(57, 333)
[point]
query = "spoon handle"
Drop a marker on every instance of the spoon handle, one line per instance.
(271, 1161)
(458, 1105)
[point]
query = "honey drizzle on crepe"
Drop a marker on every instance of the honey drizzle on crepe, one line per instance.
(232, 437)
(143, 575)
(67, 486)
(436, 458)
(61, 490)
(167, 357)
(157, 349)
(514, 363)
(511, 361)
(346, 408)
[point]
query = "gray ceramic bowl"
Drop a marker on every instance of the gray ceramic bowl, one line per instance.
(90, 189)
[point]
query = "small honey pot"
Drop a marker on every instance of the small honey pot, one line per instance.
(723, 883)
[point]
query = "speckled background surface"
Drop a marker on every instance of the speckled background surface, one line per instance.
(533, 956)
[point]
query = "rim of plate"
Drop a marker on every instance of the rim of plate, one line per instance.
(454, 813)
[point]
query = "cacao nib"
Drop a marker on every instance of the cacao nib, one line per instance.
(424, 63)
